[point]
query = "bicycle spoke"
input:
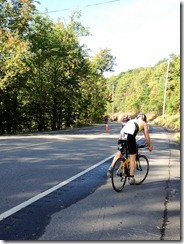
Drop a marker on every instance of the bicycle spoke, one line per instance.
(118, 175)
(142, 169)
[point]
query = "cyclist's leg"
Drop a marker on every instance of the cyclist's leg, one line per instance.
(132, 164)
(118, 155)
(131, 142)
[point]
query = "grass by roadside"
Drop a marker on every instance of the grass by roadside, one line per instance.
(170, 122)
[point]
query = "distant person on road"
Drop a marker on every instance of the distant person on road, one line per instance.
(106, 118)
(129, 132)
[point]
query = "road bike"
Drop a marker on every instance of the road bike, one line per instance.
(121, 168)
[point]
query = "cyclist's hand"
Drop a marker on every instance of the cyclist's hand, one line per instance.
(150, 148)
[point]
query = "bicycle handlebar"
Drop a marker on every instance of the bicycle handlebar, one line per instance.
(143, 146)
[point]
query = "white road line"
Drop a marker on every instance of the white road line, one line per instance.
(45, 193)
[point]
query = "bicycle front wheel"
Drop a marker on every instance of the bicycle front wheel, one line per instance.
(142, 169)
(118, 175)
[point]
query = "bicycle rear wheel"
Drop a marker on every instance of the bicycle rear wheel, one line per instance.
(142, 169)
(118, 175)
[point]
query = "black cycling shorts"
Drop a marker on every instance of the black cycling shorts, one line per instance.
(131, 142)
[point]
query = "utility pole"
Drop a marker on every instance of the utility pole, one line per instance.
(165, 90)
(112, 99)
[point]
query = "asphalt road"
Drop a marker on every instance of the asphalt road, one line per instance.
(54, 187)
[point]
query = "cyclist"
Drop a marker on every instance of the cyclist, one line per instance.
(129, 132)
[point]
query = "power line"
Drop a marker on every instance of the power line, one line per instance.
(101, 3)
(85, 6)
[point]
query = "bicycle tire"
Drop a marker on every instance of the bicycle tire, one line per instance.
(118, 176)
(142, 169)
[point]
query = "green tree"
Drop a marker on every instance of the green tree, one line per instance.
(103, 61)
(173, 89)
(15, 15)
(143, 89)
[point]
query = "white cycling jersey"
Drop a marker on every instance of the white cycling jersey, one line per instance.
(132, 127)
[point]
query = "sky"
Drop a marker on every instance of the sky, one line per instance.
(138, 33)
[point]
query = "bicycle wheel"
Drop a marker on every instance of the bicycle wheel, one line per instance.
(118, 175)
(142, 169)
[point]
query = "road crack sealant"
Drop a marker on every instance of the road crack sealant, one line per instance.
(167, 190)
(165, 215)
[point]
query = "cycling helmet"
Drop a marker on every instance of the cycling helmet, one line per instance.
(142, 116)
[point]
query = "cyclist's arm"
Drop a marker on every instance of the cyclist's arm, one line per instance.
(146, 134)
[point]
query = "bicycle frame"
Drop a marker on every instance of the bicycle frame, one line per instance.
(121, 168)
(124, 151)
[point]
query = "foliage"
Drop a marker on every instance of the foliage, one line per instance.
(47, 80)
(143, 89)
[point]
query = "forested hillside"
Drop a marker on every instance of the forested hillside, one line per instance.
(48, 80)
(143, 90)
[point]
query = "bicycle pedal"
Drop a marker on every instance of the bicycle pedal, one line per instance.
(119, 174)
